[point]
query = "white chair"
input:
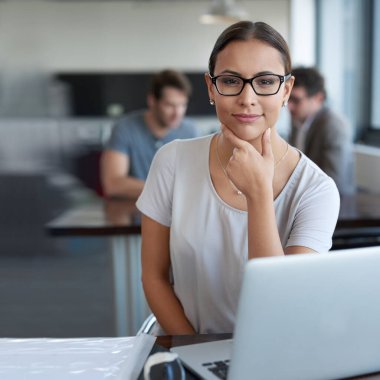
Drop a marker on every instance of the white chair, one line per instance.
(148, 325)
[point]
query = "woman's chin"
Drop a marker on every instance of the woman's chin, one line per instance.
(247, 133)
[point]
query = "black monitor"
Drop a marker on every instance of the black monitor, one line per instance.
(93, 93)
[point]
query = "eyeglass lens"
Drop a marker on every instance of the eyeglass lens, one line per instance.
(233, 85)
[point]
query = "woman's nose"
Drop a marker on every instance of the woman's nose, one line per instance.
(248, 95)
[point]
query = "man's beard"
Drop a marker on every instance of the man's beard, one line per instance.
(161, 123)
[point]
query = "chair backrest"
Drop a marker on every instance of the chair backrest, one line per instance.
(148, 324)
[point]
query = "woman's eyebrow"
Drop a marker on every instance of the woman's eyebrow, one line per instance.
(264, 73)
(232, 72)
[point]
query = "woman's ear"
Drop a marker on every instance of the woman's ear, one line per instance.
(288, 88)
(210, 86)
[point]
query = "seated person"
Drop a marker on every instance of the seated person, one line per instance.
(136, 137)
(320, 133)
(212, 203)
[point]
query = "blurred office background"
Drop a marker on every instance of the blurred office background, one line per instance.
(68, 68)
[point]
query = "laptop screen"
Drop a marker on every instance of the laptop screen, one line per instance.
(303, 317)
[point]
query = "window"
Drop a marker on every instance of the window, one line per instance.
(375, 98)
(345, 46)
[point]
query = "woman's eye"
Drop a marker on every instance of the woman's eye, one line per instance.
(266, 81)
(230, 81)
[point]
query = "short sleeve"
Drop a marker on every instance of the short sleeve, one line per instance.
(156, 199)
(119, 138)
(316, 217)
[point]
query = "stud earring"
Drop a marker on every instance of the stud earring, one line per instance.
(285, 103)
(212, 103)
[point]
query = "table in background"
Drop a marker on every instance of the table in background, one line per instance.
(119, 220)
(359, 221)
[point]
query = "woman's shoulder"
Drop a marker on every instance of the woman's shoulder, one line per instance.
(181, 150)
(310, 168)
(181, 146)
(308, 176)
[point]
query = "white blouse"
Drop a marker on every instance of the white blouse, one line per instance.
(208, 238)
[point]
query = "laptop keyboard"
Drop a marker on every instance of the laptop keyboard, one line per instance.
(219, 368)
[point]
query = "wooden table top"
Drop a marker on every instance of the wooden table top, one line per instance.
(101, 217)
(359, 210)
(121, 217)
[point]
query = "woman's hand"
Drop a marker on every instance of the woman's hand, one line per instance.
(250, 171)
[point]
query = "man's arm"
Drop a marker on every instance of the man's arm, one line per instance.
(115, 180)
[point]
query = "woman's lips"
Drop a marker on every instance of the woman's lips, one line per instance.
(246, 118)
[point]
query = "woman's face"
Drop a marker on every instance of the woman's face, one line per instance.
(248, 115)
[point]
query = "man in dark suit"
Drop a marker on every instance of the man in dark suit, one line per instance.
(320, 133)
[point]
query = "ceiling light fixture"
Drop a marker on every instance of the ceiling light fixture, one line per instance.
(223, 12)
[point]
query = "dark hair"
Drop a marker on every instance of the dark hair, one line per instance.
(311, 79)
(169, 78)
(245, 31)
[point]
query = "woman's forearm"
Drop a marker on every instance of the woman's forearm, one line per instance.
(166, 307)
(263, 237)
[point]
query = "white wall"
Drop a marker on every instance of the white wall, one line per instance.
(115, 35)
(302, 38)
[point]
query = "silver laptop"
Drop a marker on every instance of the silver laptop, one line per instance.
(301, 317)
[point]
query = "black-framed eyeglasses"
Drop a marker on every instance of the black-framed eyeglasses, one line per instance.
(263, 84)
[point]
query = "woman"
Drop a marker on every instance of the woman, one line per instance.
(212, 203)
